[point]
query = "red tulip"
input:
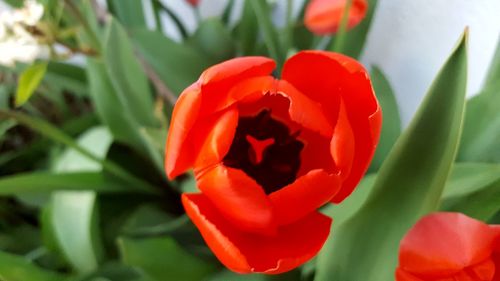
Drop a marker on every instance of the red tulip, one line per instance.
(193, 2)
(323, 17)
(267, 153)
(450, 247)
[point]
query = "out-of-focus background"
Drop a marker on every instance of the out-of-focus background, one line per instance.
(409, 40)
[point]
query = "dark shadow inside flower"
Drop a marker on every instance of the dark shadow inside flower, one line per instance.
(274, 165)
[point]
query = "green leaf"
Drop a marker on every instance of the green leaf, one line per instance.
(247, 30)
(129, 12)
(46, 182)
(115, 116)
(75, 225)
(214, 40)
(108, 106)
(481, 136)
(127, 76)
(262, 12)
(16, 268)
(73, 213)
(177, 65)
(343, 211)
(355, 38)
(408, 186)
(58, 135)
(467, 178)
(96, 140)
(67, 77)
(162, 257)
(492, 81)
(29, 81)
(4, 96)
(391, 125)
(474, 189)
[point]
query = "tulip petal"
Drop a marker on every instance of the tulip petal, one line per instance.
(198, 101)
(329, 77)
(405, 276)
(238, 69)
(248, 91)
(313, 154)
(179, 155)
(218, 80)
(342, 144)
(305, 111)
(324, 16)
(244, 252)
(240, 199)
(216, 135)
(306, 194)
(444, 244)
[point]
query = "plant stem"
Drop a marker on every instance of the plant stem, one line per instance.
(178, 23)
(338, 42)
(261, 9)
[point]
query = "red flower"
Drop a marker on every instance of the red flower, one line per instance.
(267, 153)
(450, 247)
(324, 16)
(193, 2)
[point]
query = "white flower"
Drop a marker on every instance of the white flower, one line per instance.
(16, 43)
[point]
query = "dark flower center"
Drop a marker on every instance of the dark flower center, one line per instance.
(265, 150)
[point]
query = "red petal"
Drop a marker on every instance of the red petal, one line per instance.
(218, 80)
(342, 144)
(197, 102)
(238, 69)
(238, 198)
(179, 155)
(216, 135)
(248, 91)
(305, 111)
(324, 16)
(306, 194)
(246, 252)
(326, 78)
(443, 244)
(315, 154)
(405, 276)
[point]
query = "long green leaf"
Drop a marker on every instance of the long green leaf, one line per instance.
(58, 135)
(108, 106)
(247, 30)
(492, 80)
(354, 40)
(177, 65)
(474, 189)
(391, 126)
(213, 39)
(73, 213)
(409, 184)
(29, 81)
(74, 222)
(481, 137)
(16, 268)
(262, 12)
(69, 77)
(45, 182)
(162, 257)
(129, 12)
(127, 76)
